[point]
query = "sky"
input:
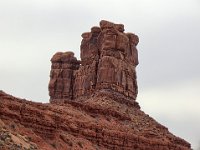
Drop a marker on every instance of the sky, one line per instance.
(31, 31)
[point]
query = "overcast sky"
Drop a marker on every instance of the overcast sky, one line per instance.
(31, 31)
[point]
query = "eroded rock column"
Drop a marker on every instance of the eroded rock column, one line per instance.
(118, 59)
(108, 61)
(86, 76)
(61, 77)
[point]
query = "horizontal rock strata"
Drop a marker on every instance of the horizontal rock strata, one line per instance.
(95, 123)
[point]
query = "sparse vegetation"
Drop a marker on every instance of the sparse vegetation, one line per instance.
(53, 144)
(80, 144)
(12, 126)
(66, 140)
(29, 138)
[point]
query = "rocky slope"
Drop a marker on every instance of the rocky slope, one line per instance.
(102, 121)
(92, 102)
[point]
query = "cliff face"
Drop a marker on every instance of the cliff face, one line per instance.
(100, 122)
(92, 102)
(108, 61)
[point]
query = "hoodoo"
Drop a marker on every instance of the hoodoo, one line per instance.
(92, 102)
(108, 61)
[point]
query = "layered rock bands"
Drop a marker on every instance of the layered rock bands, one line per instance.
(97, 123)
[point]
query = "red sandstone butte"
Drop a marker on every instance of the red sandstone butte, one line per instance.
(92, 102)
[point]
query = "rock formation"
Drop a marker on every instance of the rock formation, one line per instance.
(62, 78)
(108, 61)
(92, 102)
(101, 122)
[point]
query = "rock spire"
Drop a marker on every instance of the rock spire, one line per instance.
(108, 60)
